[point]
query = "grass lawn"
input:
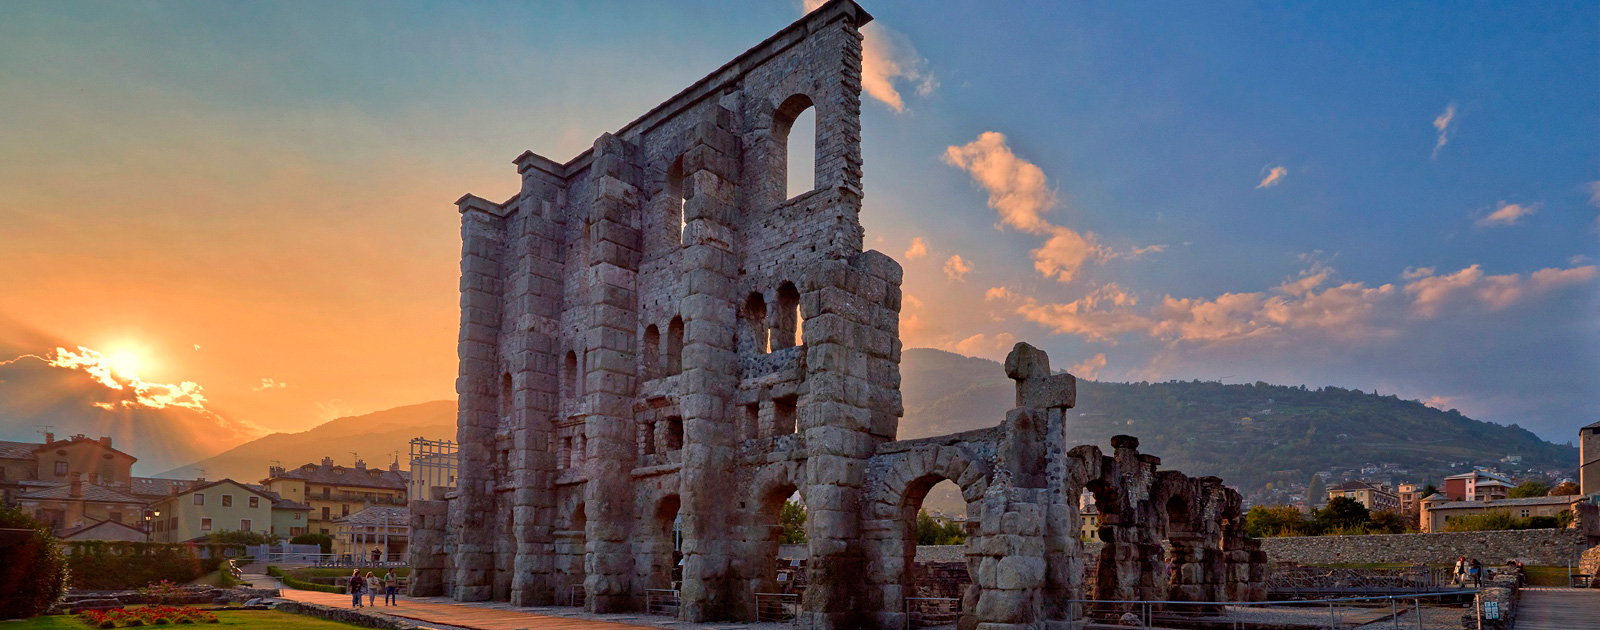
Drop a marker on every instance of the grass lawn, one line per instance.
(244, 619)
(215, 578)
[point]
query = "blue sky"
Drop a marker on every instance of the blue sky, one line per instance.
(195, 173)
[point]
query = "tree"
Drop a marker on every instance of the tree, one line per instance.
(1316, 491)
(1565, 489)
(33, 573)
(1529, 489)
(792, 516)
(1386, 522)
(1341, 513)
(1278, 520)
(1429, 490)
(323, 540)
(931, 531)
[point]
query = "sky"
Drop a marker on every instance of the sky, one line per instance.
(251, 204)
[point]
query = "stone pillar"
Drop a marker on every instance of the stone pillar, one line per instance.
(428, 561)
(534, 307)
(610, 361)
(708, 490)
(1132, 560)
(1011, 571)
(472, 513)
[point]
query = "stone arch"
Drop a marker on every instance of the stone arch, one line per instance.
(570, 376)
(674, 347)
(677, 192)
(662, 543)
(784, 117)
(651, 346)
(897, 498)
(752, 336)
(773, 485)
(786, 321)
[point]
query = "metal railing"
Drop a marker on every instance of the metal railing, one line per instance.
(661, 601)
(929, 612)
(1294, 581)
(777, 607)
(1444, 610)
(576, 595)
(338, 561)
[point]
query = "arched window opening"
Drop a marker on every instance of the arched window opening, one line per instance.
(781, 512)
(932, 512)
(785, 415)
(652, 352)
(794, 130)
(674, 435)
(675, 346)
(666, 544)
(569, 375)
(786, 322)
(506, 405)
(677, 197)
(754, 316)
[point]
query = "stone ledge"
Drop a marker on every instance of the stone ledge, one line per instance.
(346, 615)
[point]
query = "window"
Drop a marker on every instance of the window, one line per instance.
(61, 468)
(784, 415)
(345, 510)
(1525, 513)
(569, 374)
(794, 129)
(244, 524)
(227, 500)
(325, 517)
(325, 492)
(255, 502)
(674, 433)
(323, 530)
(677, 193)
(505, 395)
(675, 346)
(755, 322)
(199, 499)
(647, 438)
(205, 524)
(652, 353)
(297, 516)
(786, 327)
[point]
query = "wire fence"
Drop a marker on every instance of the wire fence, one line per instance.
(1444, 610)
(777, 607)
(661, 601)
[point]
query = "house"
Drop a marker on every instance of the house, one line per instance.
(77, 504)
(107, 530)
(1476, 485)
(1376, 498)
(1409, 496)
(333, 492)
(208, 508)
(1091, 523)
(27, 466)
(1438, 509)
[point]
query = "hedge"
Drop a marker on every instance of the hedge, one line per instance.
(115, 565)
(33, 573)
(302, 584)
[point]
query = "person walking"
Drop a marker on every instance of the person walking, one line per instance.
(355, 588)
(373, 585)
(1476, 571)
(391, 587)
(1460, 578)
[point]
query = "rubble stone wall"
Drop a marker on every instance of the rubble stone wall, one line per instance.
(1540, 547)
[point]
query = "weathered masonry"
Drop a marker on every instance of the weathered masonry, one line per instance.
(659, 346)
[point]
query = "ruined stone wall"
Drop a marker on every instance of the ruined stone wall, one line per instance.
(1546, 547)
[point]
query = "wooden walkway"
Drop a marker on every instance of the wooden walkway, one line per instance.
(1559, 609)
(474, 616)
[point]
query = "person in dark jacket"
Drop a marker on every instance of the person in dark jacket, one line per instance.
(356, 584)
(1475, 570)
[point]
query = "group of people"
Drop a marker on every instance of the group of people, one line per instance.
(1470, 570)
(370, 585)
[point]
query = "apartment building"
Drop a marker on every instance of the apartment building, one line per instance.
(333, 492)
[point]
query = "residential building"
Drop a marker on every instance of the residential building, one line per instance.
(1438, 510)
(1091, 523)
(1408, 493)
(27, 466)
(212, 507)
(334, 491)
(77, 504)
(289, 518)
(1476, 486)
(1376, 498)
(107, 530)
(1589, 459)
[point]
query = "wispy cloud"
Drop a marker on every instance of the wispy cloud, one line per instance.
(957, 268)
(1090, 367)
(1507, 214)
(889, 63)
(981, 345)
(917, 249)
(268, 383)
(1273, 178)
(1442, 124)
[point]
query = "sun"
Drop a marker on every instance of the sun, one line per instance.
(124, 363)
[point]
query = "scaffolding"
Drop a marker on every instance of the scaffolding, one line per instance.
(433, 465)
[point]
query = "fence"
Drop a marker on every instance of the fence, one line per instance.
(1290, 581)
(661, 601)
(576, 595)
(929, 612)
(1418, 611)
(336, 561)
(777, 607)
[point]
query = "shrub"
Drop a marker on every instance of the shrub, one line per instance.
(33, 574)
(109, 565)
(293, 582)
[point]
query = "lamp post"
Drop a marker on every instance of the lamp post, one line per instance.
(149, 517)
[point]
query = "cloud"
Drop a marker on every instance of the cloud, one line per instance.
(888, 62)
(1431, 293)
(1594, 193)
(998, 293)
(1442, 124)
(982, 345)
(1508, 214)
(917, 250)
(1066, 252)
(268, 383)
(1090, 367)
(1273, 178)
(1437, 402)
(1017, 188)
(956, 269)
(1104, 314)
(911, 301)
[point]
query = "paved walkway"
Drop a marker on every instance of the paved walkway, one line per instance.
(1559, 609)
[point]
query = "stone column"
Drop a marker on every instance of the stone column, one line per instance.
(428, 560)
(708, 490)
(609, 445)
(472, 513)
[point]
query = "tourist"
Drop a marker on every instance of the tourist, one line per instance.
(372, 588)
(355, 588)
(391, 587)
(1460, 578)
(377, 556)
(1476, 571)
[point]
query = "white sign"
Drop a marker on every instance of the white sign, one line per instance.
(1491, 610)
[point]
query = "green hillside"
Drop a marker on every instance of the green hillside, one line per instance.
(1250, 435)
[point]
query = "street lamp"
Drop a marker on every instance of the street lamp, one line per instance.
(150, 515)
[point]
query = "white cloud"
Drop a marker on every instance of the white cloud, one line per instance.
(268, 383)
(990, 346)
(1442, 124)
(1273, 178)
(1018, 189)
(1066, 252)
(1432, 293)
(1090, 367)
(1508, 214)
(1103, 314)
(956, 269)
(998, 293)
(888, 63)
(917, 249)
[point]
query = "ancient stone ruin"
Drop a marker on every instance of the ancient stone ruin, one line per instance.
(659, 346)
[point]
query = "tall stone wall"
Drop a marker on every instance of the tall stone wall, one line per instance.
(1540, 547)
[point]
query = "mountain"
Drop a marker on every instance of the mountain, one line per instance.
(1250, 435)
(376, 437)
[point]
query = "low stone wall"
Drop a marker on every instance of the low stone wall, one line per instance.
(346, 615)
(1538, 547)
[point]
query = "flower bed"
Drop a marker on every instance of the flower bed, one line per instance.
(146, 616)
